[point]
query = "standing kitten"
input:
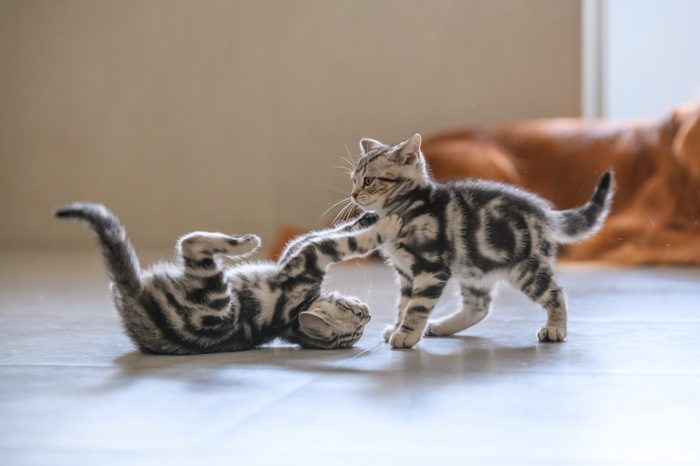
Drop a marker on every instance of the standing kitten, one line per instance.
(477, 231)
(197, 305)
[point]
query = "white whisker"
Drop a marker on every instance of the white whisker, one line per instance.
(335, 219)
(344, 168)
(332, 188)
(348, 212)
(352, 157)
(342, 211)
(349, 160)
(334, 205)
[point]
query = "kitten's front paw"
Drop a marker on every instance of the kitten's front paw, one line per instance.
(552, 333)
(386, 334)
(390, 226)
(402, 339)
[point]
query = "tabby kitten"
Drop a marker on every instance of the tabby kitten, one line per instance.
(477, 231)
(197, 305)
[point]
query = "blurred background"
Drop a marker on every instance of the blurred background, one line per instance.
(232, 115)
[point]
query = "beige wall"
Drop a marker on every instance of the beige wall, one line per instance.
(230, 115)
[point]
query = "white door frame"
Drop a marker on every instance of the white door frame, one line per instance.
(592, 54)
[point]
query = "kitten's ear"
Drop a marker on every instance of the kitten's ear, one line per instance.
(367, 144)
(409, 151)
(314, 323)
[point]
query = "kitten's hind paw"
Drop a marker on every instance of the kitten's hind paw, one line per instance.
(242, 245)
(552, 333)
(202, 244)
(435, 329)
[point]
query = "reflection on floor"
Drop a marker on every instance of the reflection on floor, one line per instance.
(622, 390)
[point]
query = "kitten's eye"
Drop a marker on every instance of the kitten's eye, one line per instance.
(368, 181)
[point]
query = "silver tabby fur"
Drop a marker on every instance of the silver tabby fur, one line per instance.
(198, 305)
(478, 232)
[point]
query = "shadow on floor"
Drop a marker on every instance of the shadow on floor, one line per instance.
(454, 359)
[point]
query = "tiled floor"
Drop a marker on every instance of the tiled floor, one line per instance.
(624, 388)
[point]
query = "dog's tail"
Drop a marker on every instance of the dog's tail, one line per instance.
(573, 225)
(120, 258)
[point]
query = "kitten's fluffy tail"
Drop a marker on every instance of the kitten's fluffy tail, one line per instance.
(576, 224)
(120, 258)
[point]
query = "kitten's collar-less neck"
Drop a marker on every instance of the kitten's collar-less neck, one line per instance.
(405, 198)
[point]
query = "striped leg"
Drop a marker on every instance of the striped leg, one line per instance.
(200, 251)
(427, 288)
(340, 246)
(406, 283)
(536, 280)
(202, 246)
(293, 247)
(476, 303)
(194, 311)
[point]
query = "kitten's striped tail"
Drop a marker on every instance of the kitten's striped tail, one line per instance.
(577, 224)
(119, 255)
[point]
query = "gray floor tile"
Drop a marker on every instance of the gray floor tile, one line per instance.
(622, 389)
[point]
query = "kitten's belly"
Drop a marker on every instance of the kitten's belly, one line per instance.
(459, 267)
(403, 260)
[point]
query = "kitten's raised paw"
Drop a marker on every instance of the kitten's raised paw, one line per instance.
(551, 333)
(403, 339)
(245, 244)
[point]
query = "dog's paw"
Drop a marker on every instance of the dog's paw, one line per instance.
(552, 333)
(403, 339)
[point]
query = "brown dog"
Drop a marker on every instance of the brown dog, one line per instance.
(656, 210)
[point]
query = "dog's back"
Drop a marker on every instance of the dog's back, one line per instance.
(657, 164)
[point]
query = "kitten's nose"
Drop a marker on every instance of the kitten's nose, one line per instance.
(354, 195)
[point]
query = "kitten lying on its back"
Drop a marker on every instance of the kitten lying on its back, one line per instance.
(197, 305)
(477, 231)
